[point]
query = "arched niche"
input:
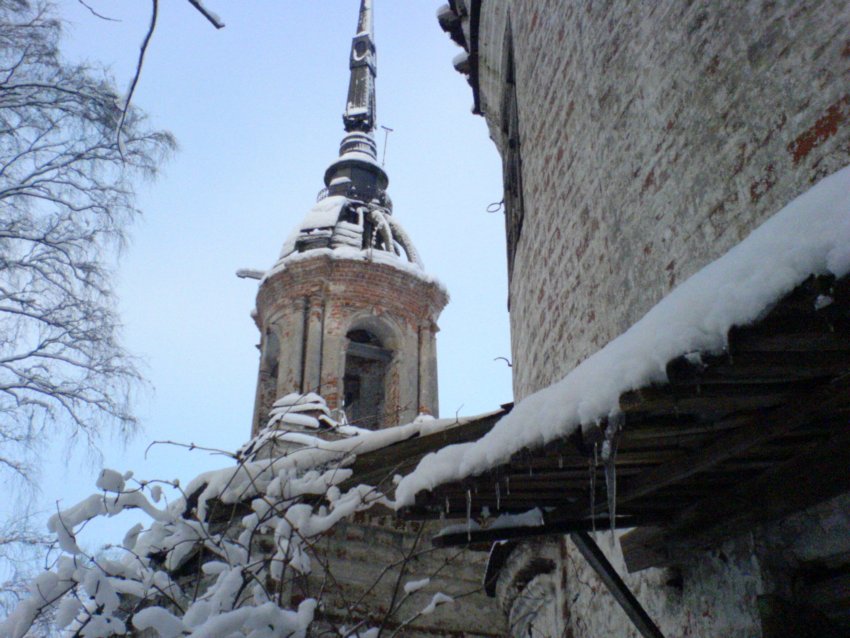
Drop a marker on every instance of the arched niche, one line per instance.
(370, 350)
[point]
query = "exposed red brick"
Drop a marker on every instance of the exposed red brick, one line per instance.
(649, 182)
(825, 127)
(741, 159)
(759, 187)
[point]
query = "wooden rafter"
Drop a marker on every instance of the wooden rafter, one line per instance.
(728, 421)
(817, 474)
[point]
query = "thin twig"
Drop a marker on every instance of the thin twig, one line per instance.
(190, 447)
(96, 14)
(142, 50)
(209, 15)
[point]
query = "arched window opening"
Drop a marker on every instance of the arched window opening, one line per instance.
(366, 364)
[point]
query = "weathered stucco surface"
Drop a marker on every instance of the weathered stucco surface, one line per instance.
(371, 559)
(654, 137)
(713, 592)
(311, 305)
(710, 594)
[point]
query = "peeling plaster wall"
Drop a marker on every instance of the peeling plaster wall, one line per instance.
(654, 137)
(711, 595)
(370, 559)
(531, 590)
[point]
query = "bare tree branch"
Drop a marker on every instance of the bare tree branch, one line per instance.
(209, 15)
(66, 197)
(95, 13)
(138, 73)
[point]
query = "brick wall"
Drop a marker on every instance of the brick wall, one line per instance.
(654, 137)
(313, 303)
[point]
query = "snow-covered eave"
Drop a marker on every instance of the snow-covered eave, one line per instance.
(349, 253)
(246, 480)
(810, 236)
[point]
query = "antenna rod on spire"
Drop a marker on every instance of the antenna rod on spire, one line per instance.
(359, 112)
(387, 131)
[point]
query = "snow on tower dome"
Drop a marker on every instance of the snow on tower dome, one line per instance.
(352, 218)
(346, 228)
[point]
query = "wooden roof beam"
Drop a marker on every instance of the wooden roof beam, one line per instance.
(799, 483)
(799, 410)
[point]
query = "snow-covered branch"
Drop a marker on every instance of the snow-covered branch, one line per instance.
(240, 551)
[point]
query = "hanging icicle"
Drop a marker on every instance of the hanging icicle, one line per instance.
(468, 515)
(591, 463)
(609, 461)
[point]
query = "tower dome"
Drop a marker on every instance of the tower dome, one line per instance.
(347, 310)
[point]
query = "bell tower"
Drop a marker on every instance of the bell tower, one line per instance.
(347, 311)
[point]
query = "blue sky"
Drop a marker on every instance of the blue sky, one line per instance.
(256, 108)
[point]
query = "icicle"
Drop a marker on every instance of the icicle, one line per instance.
(560, 462)
(498, 498)
(592, 465)
(611, 487)
(609, 460)
(448, 507)
(468, 515)
(508, 485)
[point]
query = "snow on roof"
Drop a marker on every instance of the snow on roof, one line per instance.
(297, 402)
(356, 254)
(246, 480)
(295, 421)
(811, 235)
(324, 214)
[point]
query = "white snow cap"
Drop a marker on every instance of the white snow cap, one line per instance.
(324, 214)
(811, 235)
(356, 254)
(290, 409)
(110, 481)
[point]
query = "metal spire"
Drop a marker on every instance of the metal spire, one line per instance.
(358, 153)
(360, 109)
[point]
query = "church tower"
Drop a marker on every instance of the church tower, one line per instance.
(347, 311)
